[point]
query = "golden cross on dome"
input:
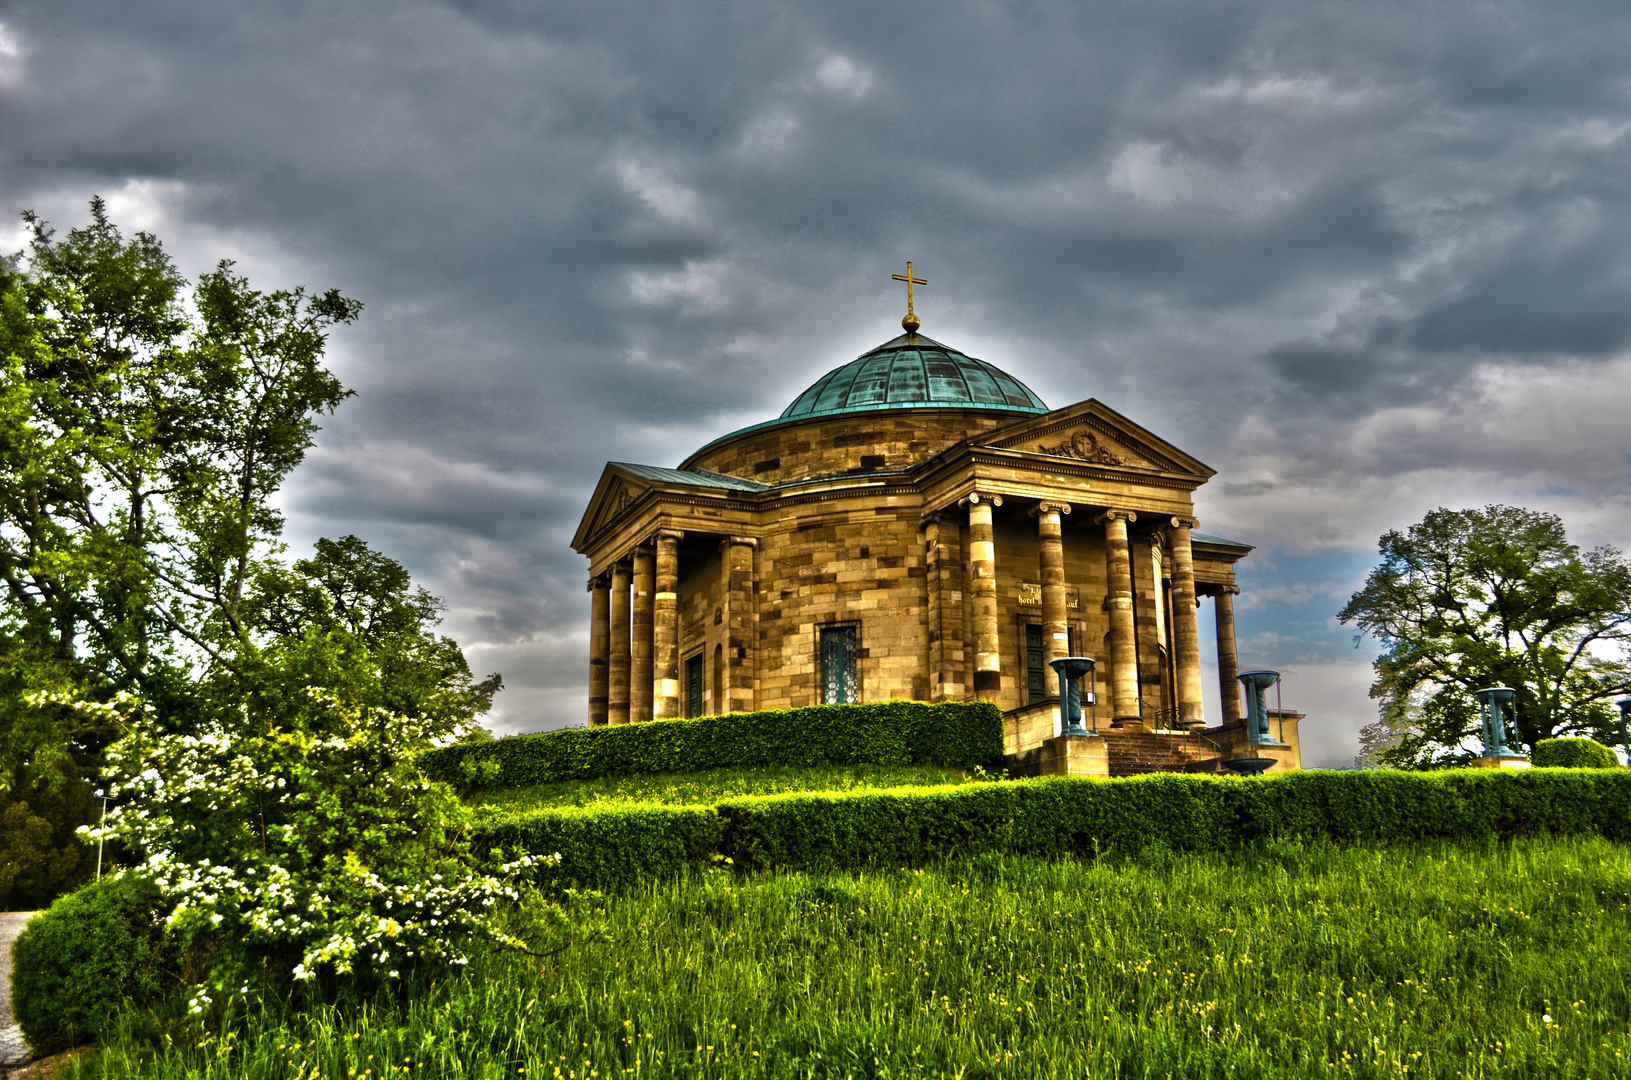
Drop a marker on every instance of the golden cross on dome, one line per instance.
(911, 322)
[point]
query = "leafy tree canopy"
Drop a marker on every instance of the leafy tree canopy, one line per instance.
(1494, 597)
(145, 424)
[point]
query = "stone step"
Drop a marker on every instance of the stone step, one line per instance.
(1134, 753)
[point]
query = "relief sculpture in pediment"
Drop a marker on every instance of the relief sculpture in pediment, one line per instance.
(613, 504)
(1083, 445)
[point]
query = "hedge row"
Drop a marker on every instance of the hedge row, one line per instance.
(616, 847)
(957, 733)
(1573, 754)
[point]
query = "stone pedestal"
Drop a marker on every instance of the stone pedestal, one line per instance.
(1233, 741)
(1502, 761)
(1075, 755)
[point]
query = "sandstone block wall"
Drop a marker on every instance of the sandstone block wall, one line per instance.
(842, 444)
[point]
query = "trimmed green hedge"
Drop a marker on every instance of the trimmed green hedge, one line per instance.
(616, 847)
(1573, 754)
(958, 733)
(609, 847)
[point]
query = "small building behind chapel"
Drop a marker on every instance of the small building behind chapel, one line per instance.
(919, 524)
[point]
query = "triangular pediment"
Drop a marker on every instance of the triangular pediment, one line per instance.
(612, 496)
(1092, 432)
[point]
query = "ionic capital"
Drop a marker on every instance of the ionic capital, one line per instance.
(739, 541)
(1185, 523)
(1115, 515)
(1047, 507)
(974, 498)
(668, 534)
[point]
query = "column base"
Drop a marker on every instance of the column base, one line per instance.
(1127, 723)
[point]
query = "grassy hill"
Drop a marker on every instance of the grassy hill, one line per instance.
(1285, 960)
(1247, 956)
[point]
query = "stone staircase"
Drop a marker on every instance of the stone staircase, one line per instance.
(1133, 753)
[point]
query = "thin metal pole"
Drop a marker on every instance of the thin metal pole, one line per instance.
(1625, 711)
(99, 840)
(1280, 709)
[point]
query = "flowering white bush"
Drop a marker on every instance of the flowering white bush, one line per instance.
(306, 851)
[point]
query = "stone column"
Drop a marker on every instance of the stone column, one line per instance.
(1123, 643)
(600, 648)
(665, 635)
(736, 564)
(617, 706)
(1186, 633)
(640, 662)
(1228, 661)
(944, 542)
(1055, 629)
(982, 566)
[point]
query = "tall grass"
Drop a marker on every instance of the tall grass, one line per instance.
(1284, 961)
(708, 786)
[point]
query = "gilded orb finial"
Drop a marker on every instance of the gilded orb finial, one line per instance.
(911, 322)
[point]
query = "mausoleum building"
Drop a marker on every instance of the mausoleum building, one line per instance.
(917, 524)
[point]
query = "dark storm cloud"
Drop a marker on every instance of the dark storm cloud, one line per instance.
(1311, 242)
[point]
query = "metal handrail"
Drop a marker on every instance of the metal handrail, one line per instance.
(1156, 715)
(1217, 751)
(1159, 715)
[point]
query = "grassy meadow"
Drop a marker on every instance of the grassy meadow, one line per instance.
(1285, 960)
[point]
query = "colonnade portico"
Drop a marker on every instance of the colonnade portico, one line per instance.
(1119, 665)
(635, 640)
(635, 633)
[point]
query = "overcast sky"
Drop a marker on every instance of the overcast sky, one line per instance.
(1362, 258)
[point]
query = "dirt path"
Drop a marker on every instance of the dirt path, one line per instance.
(11, 924)
(12, 1047)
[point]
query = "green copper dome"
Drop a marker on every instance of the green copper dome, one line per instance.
(910, 372)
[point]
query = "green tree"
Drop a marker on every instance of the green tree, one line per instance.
(1473, 598)
(40, 856)
(349, 619)
(145, 425)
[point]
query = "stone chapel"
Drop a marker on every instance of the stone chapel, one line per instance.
(919, 524)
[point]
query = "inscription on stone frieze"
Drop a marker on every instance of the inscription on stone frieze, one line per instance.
(1030, 595)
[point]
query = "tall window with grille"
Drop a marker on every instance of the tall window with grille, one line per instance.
(1040, 680)
(693, 686)
(1036, 675)
(839, 683)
